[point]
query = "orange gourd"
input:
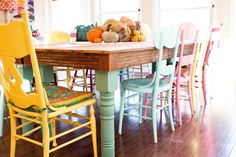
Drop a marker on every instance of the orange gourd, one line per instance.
(97, 40)
(93, 34)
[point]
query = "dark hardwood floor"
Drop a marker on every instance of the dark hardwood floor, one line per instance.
(210, 133)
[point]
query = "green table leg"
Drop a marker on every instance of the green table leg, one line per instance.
(46, 72)
(106, 83)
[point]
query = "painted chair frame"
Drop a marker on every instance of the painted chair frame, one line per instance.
(35, 107)
(168, 37)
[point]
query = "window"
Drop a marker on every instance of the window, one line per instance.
(115, 9)
(66, 14)
(173, 12)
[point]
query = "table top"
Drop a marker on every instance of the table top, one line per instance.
(100, 56)
(98, 48)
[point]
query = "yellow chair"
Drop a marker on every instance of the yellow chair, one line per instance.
(203, 38)
(59, 36)
(44, 105)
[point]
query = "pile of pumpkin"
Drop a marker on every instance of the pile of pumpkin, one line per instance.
(113, 31)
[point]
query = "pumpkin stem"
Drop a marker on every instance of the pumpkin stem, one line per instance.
(109, 28)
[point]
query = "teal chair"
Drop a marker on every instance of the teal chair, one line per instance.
(161, 82)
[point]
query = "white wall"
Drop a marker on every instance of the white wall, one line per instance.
(221, 14)
(147, 11)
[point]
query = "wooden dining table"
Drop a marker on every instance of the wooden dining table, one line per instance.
(106, 59)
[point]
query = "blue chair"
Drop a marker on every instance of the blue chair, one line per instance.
(161, 82)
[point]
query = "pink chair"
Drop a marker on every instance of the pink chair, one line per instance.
(183, 73)
(211, 43)
(89, 73)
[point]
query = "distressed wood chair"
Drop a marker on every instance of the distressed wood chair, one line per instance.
(44, 105)
(162, 81)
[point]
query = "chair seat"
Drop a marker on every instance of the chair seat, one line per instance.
(60, 96)
(144, 85)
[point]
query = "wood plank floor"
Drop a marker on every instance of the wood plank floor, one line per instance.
(210, 133)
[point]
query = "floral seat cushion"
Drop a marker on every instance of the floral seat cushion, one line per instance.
(60, 96)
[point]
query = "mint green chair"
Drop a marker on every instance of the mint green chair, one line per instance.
(161, 82)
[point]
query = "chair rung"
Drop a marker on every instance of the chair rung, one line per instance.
(70, 122)
(69, 109)
(70, 130)
(70, 142)
(132, 115)
(24, 124)
(130, 96)
(29, 140)
(77, 115)
(26, 118)
(30, 132)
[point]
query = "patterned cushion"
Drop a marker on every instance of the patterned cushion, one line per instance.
(60, 96)
(8, 4)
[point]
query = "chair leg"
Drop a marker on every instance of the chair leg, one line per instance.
(190, 97)
(73, 81)
(68, 77)
(85, 80)
(204, 87)
(93, 129)
(154, 122)
(141, 70)
(46, 135)
(13, 132)
(146, 103)
(53, 124)
(122, 104)
(177, 100)
(200, 98)
(141, 108)
(169, 102)
(1, 113)
(193, 95)
(91, 79)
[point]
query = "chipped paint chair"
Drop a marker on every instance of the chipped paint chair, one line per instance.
(43, 106)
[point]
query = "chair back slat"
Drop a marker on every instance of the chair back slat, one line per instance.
(188, 33)
(167, 70)
(166, 37)
(186, 60)
(58, 36)
(201, 50)
(16, 42)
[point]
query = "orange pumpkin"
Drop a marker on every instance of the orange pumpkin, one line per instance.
(93, 34)
(97, 40)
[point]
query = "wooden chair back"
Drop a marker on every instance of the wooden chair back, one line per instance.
(18, 33)
(166, 37)
(58, 36)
